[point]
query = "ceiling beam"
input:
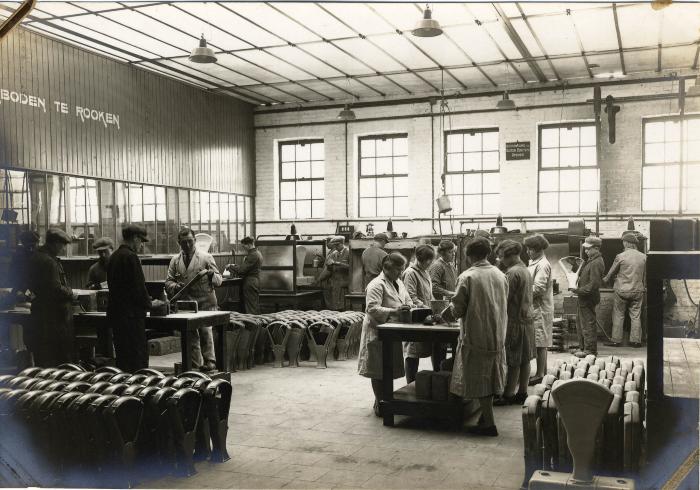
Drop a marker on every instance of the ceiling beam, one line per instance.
(619, 39)
(526, 20)
(519, 44)
(580, 43)
(89, 12)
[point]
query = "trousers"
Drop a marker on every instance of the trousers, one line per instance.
(130, 344)
(202, 346)
(251, 295)
(623, 303)
(586, 327)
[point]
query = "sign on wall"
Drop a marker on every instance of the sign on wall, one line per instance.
(517, 150)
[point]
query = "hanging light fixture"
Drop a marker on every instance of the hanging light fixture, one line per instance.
(427, 26)
(346, 114)
(202, 53)
(505, 102)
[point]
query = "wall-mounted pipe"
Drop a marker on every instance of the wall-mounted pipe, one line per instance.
(16, 17)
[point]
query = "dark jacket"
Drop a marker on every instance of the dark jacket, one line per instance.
(127, 285)
(97, 274)
(47, 280)
(590, 279)
(251, 264)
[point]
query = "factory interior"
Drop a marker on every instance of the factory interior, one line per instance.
(349, 244)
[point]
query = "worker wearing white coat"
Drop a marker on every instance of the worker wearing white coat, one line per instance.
(386, 296)
(542, 300)
(480, 303)
(184, 267)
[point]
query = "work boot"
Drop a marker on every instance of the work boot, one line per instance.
(490, 431)
(613, 344)
(636, 345)
(580, 354)
(535, 380)
(376, 408)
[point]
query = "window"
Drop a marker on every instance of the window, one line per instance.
(472, 180)
(569, 177)
(671, 164)
(83, 214)
(14, 195)
(302, 173)
(383, 178)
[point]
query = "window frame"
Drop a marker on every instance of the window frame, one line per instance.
(375, 176)
(310, 179)
(682, 163)
(540, 168)
(473, 131)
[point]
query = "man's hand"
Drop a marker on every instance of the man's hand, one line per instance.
(179, 286)
(156, 303)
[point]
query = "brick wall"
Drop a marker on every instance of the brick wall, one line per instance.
(620, 181)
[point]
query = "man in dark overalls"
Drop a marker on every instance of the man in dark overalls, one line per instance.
(249, 270)
(588, 291)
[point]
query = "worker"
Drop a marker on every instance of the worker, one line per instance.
(19, 268)
(443, 277)
(129, 301)
(50, 338)
(337, 265)
(250, 272)
(386, 297)
(373, 256)
(199, 266)
(480, 303)
(628, 273)
(97, 274)
(542, 300)
(417, 281)
(520, 333)
(588, 291)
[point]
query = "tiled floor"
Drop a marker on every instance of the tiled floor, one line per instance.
(312, 428)
(682, 367)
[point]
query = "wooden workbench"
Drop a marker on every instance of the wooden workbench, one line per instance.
(404, 400)
(184, 322)
(291, 299)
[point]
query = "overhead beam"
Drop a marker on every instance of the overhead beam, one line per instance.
(90, 12)
(526, 20)
(619, 39)
(580, 43)
(519, 44)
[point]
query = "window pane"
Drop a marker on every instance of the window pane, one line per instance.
(303, 209)
(384, 147)
(492, 204)
(367, 208)
(317, 151)
(401, 165)
(401, 186)
(317, 208)
(457, 204)
(671, 199)
(568, 137)
(550, 157)
(385, 206)
(490, 141)
(588, 136)
(384, 166)
(672, 130)
(654, 153)
(214, 207)
(318, 170)
(287, 191)
(692, 151)
(454, 143)
(135, 203)
(588, 156)
(653, 132)
(122, 211)
(223, 208)
(550, 138)
(472, 142)
(454, 184)
(672, 152)
(303, 170)
(549, 181)
(384, 188)
(672, 176)
(400, 146)
(107, 210)
(204, 207)
(492, 183)
(288, 170)
(472, 162)
(184, 207)
(589, 179)
(367, 166)
(367, 148)
(454, 162)
(568, 202)
(568, 180)
(653, 199)
(303, 152)
(367, 188)
(691, 175)
(472, 204)
(589, 201)
(549, 202)
(472, 183)
(401, 206)
(490, 160)
(303, 190)
(317, 189)
(287, 153)
(568, 157)
(287, 210)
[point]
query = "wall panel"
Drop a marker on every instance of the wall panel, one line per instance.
(169, 133)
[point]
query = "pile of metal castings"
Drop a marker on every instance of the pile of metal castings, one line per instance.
(618, 442)
(290, 335)
(74, 428)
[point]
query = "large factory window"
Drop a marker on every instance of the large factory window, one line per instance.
(473, 175)
(383, 181)
(14, 196)
(569, 178)
(83, 214)
(671, 164)
(302, 175)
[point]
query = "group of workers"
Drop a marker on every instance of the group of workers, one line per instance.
(505, 309)
(38, 273)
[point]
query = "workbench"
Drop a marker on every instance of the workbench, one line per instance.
(293, 300)
(404, 400)
(227, 283)
(357, 299)
(184, 322)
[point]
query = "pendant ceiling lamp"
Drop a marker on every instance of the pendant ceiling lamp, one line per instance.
(427, 26)
(505, 102)
(346, 114)
(202, 53)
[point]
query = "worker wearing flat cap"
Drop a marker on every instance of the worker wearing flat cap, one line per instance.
(373, 256)
(129, 301)
(249, 270)
(50, 338)
(628, 273)
(587, 288)
(97, 274)
(197, 268)
(21, 262)
(336, 269)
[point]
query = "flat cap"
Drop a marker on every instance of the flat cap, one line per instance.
(29, 237)
(538, 242)
(446, 245)
(482, 233)
(56, 235)
(381, 236)
(132, 230)
(336, 239)
(103, 243)
(509, 247)
(592, 241)
(630, 237)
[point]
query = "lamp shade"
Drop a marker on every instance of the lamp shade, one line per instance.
(202, 53)
(427, 26)
(505, 102)
(346, 114)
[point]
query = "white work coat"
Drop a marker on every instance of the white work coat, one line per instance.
(381, 298)
(542, 300)
(481, 305)
(203, 290)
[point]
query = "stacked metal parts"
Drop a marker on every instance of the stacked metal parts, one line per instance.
(559, 330)
(618, 442)
(111, 429)
(291, 335)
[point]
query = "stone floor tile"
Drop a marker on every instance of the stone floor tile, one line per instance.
(265, 482)
(305, 485)
(263, 468)
(469, 478)
(302, 472)
(344, 478)
(391, 481)
(304, 457)
(508, 480)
